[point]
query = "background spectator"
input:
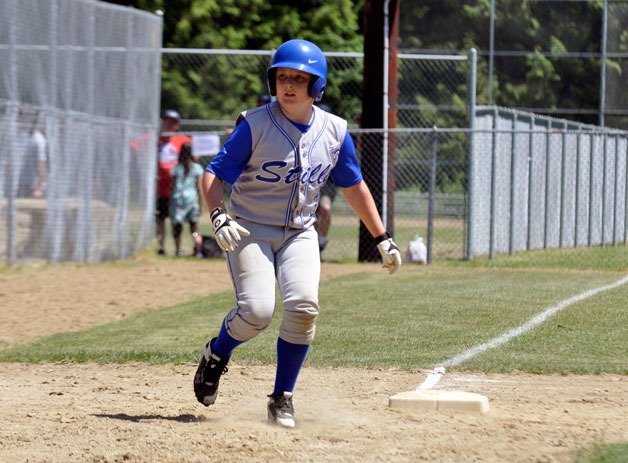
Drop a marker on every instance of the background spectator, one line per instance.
(185, 204)
(34, 166)
(169, 147)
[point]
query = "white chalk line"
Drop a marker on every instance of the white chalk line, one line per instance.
(439, 370)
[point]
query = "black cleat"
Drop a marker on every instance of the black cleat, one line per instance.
(281, 410)
(210, 369)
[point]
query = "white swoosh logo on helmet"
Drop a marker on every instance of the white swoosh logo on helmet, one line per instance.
(312, 61)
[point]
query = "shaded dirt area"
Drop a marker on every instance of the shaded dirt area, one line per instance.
(147, 413)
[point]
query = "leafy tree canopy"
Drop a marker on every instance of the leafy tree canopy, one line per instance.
(256, 24)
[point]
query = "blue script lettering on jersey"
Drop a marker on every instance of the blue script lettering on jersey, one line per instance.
(268, 168)
(310, 175)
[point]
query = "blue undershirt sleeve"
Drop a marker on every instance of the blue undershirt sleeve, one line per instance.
(234, 154)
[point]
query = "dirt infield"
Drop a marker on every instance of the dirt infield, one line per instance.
(147, 413)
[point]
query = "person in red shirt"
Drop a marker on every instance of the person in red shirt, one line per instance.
(170, 144)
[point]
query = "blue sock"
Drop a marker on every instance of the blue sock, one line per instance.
(224, 344)
(290, 358)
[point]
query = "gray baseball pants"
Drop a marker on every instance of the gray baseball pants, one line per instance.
(288, 257)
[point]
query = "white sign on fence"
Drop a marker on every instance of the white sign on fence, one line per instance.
(205, 144)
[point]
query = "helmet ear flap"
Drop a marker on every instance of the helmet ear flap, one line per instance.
(270, 80)
(316, 88)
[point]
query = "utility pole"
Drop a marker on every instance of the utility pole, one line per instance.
(379, 111)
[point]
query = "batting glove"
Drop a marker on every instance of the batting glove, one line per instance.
(391, 257)
(227, 231)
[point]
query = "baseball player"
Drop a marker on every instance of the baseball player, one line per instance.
(278, 158)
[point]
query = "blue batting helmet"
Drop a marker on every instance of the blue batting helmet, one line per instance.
(303, 56)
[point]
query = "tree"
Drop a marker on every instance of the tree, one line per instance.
(246, 25)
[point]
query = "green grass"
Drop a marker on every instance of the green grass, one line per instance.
(344, 238)
(595, 258)
(611, 453)
(419, 317)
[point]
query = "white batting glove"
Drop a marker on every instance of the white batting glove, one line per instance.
(227, 231)
(391, 257)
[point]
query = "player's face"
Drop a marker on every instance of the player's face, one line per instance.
(292, 89)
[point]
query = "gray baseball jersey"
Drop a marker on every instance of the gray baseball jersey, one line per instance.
(277, 170)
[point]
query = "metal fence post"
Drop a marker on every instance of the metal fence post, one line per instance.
(604, 167)
(126, 161)
(89, 160)
(54, 213)
(12, 155)
(591, 178)
(563, 167)
(530, 151)
(547, 183)
(471, 156)
(151, 193)
(577, 194)
(432, 196)
(602, 108)
(513, 171)
(615, 183)
(626, 194)
(491, 52)
(491, 246)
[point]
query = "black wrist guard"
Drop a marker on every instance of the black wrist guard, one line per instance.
(383, 237)
(216, 212)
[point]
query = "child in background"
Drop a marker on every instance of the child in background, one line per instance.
(185, 206)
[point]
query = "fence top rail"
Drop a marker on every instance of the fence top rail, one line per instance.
(70, 114)
(337, 54)
(74, 48)
(556, 131)
(353, 129)
(120, 8)
(212, 51)
(432, 57)
(566, 123)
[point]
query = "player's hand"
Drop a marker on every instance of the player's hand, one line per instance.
(227, 231)
(391, 257)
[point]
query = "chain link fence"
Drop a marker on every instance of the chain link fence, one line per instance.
(77, 164)
(432, 90)
(427, 192)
